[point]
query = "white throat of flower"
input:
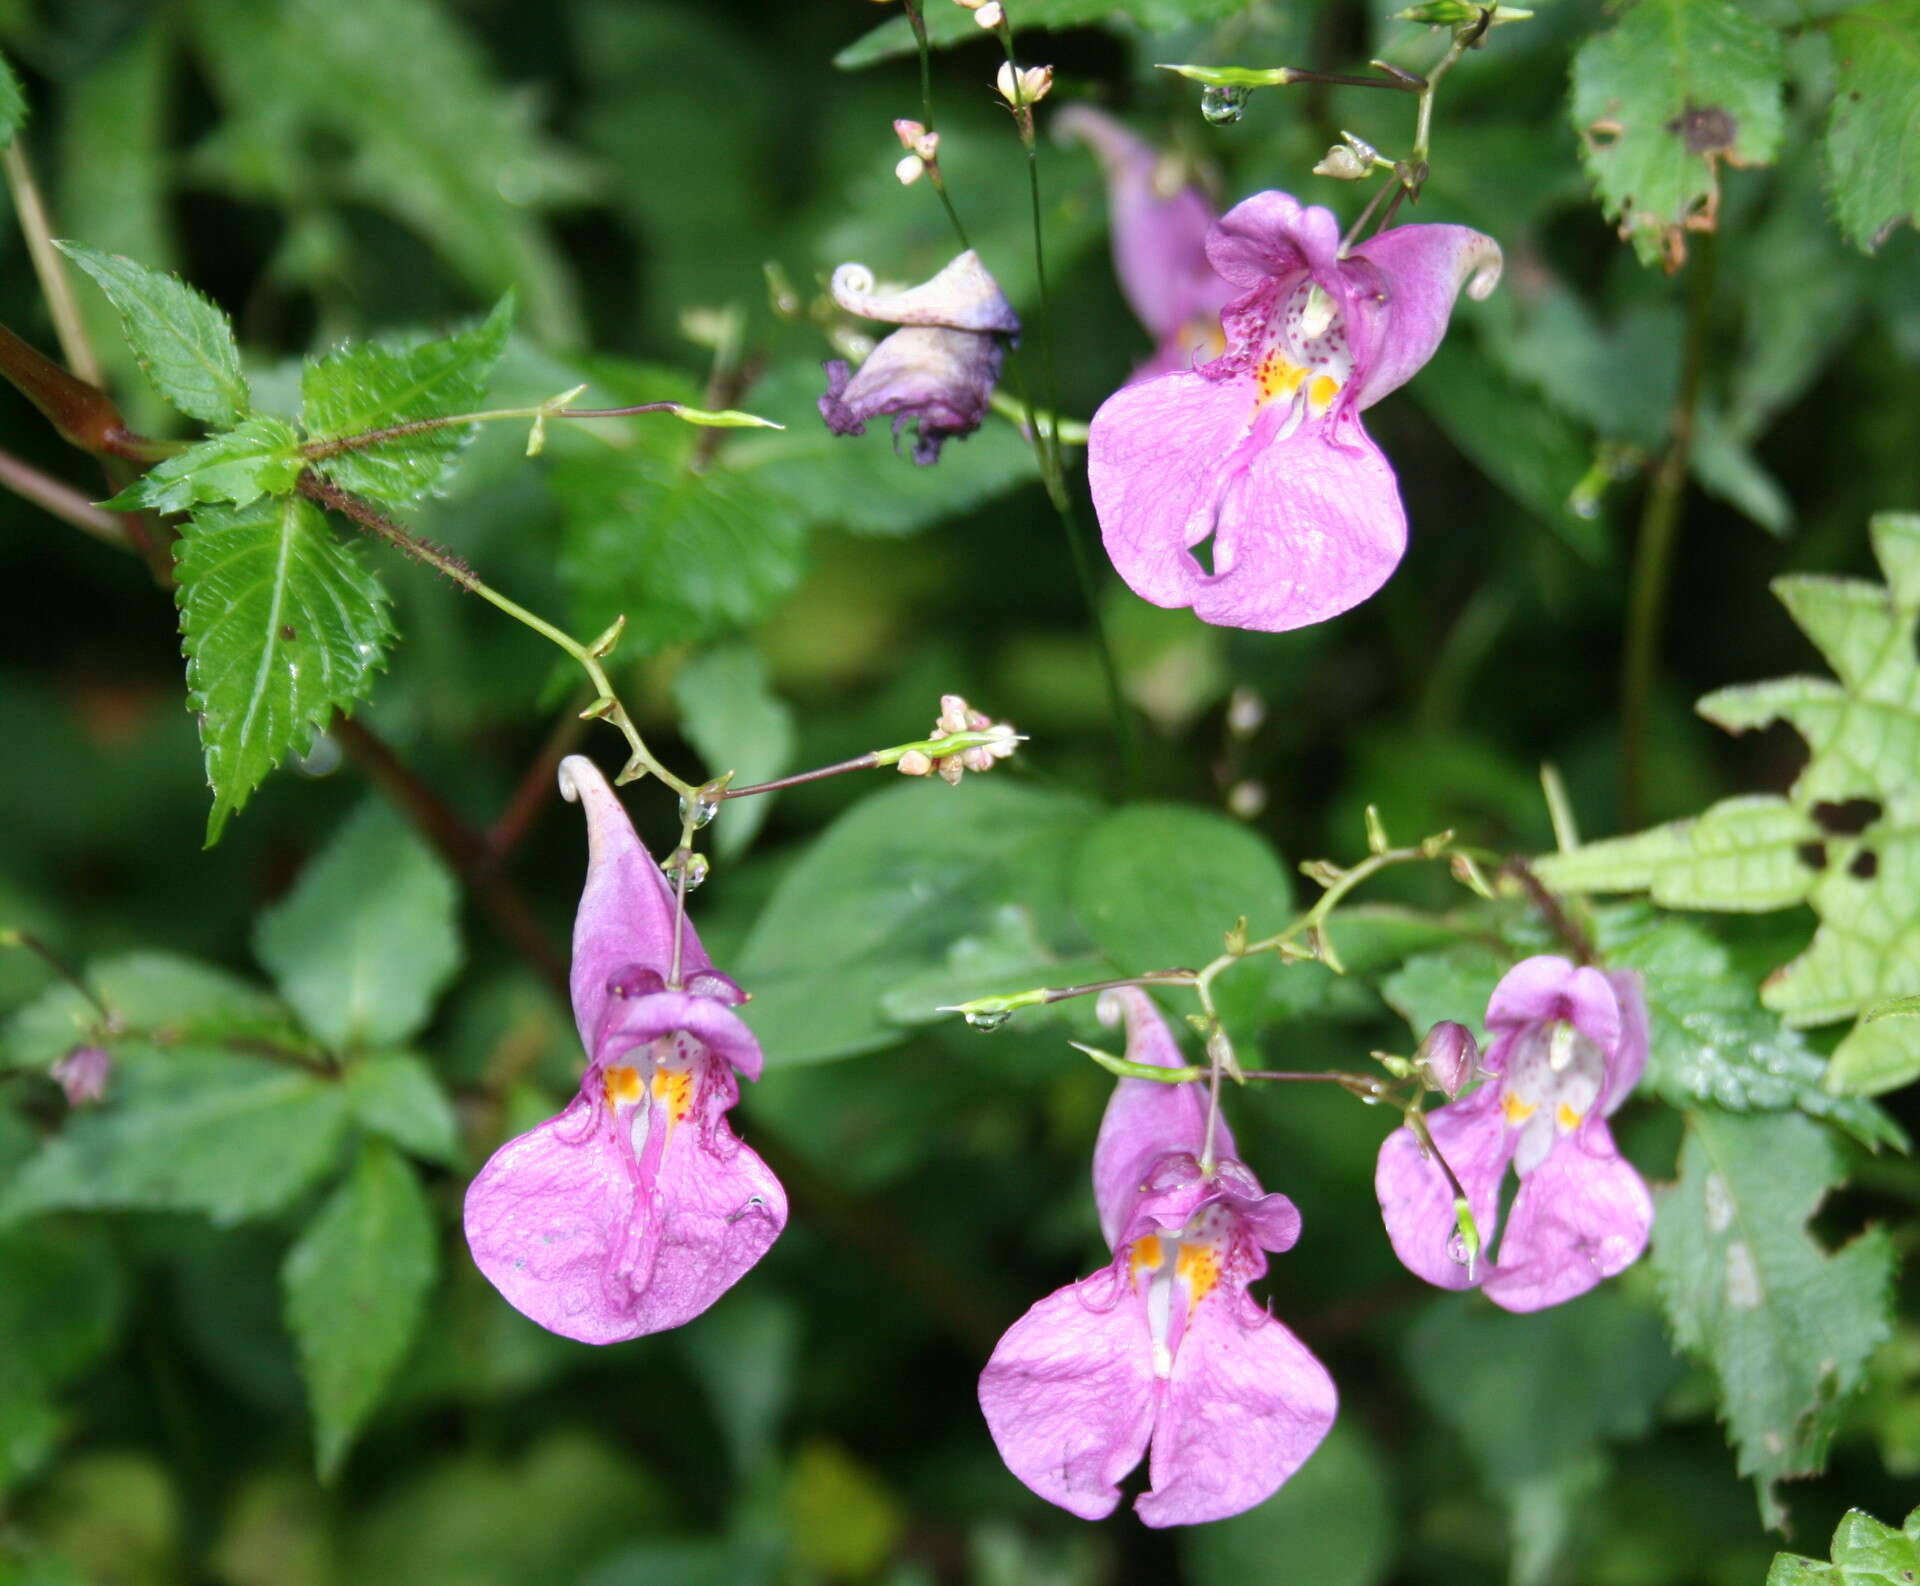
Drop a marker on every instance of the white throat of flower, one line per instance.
(1554, 1076)
(666, 1077)
(1174, 1272)
(1305, 360)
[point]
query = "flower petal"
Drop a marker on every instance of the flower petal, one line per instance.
(637, 1020)
(1421, 271)
(1069, 1394)
(963, 296)
(1154, 462)
(1247, 1403)
(1311, 528)
(549, 1220)
(1627, 1061)
(625, 920)
(1582, 1215)
(1548, 987)
(1273, 235)
(1159, 238)
(1416, 1202)
(1145, 1120)
(942, 378)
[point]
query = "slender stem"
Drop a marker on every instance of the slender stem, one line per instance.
(1392, 184)
(62, 500)
(1653, 556)
(62, 306)
(1550, 909)
(938, 181)
(1207, 1159)
(27, 941)
(864, 762)
(1153, 977)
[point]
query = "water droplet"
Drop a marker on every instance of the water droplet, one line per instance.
(990, 1020)
(698, 809)
(695, 866)
(1222, 105)
(1457, 1249)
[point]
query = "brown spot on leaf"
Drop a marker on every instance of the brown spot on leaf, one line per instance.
(1865, 865)
(1812, 855)
(1848, 818)
(286, 631)
(1603, 133)
(1705, 129)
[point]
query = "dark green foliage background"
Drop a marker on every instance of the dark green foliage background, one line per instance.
(331, 169)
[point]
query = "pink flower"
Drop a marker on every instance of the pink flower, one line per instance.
(1568, 1046)
(1165, 1346)
(1262, 452)
(82, 1074)
(637, 1207)
(1159, 243)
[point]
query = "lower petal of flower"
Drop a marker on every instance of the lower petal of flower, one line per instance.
(1582, 1215)
(1416, 1201)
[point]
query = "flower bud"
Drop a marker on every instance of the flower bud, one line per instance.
(1446, 1058)
(1023, 85)
(989, 16)
(908, 132)
(82, 1074)
(1341, 163)
(1246, 710)
(910, 170)
(915, 763)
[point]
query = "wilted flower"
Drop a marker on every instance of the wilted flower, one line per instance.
(82, 1074)
(938, 370)
(1568, 1047)
(1159, 228)
(1165, 1346)
(1261, 452)
(637, 1207)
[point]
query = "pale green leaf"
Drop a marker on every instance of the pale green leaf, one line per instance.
(367, 939)
(1845, 840)
(13, 103)
(183, 343)
(1786, 1326)
(261, 457)
(282, 626)
(952, 25)
(396, 1095)
(189, 1129)
(1660, 100)
(1873, 140)
(379, 385)
(885, 892)
(1332, 1524)
(1865, 1553)
(151, 997)
(356, 1285)
(737, 723)
(1453, 983)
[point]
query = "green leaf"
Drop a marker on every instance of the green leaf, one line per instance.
(396, 1095)
(1159, 885)
(683, 554)
(1873, 140)
(189, 1129)
(282, 626)
(738, 724)
(1660, 99)
(378, 385)
(1709, 1038)
(744, 1356)
(153, 997)
(863, 482)
(367, 940)
(1332, 1524)
(356, 1284)
(259, 458)
(13, 104)
(1786, 1326)
(1453, 983)
(885, 892)
(1865, 1553)
(183, 343)
(956, 26)
(1846, 839)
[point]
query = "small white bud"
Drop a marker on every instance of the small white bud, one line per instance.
(989, 16)
(1342, 164)
(909, 133)
(927, 146)
(951, 770)
(1246, 799)
(954, 715)
(914, 763)
(1023, 85)
(910, 170)
(1246, 711)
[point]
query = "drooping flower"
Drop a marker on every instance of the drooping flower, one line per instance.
(1567, 1047)
(1164, 1346)
(82, 1074)
(1261, 451)
(935, 372)
(637, 1207)
(1159, 225)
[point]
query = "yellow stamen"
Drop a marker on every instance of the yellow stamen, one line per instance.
(676, 1091)
(1146, 1255)
(1276, 377)
(1199, 1265)
(620, 1084)
(1321, 393)
(1517, 1111)
(1568, 1119)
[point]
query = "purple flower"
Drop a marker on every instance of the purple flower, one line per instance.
(637, 1207)
(82, 1074)
(1159, 243)
(1567, 1048)
(938, 370)
(1165, 1346)
(1262, 451)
